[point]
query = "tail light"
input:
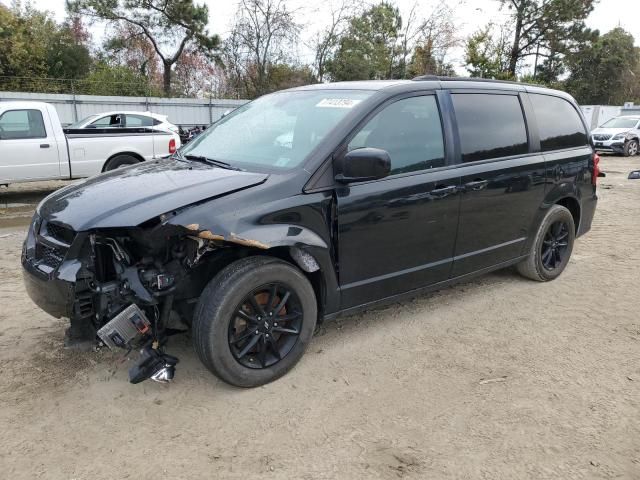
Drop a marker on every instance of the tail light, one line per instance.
(596, 169)
(172, 145)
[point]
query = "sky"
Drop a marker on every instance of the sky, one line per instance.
(469, 16)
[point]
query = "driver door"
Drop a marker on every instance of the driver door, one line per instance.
(398, 233)
(28, 150)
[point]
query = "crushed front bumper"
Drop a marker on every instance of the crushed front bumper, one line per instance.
(52, 295)
(49, 267)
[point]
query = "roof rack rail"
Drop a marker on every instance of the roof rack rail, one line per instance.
(470, 79)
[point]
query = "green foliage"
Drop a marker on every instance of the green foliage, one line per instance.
(283, 75)
(543, 24)
(368, 51)
(106, 79)
(33, 45)
(424, 62)
(487, 55)
(65, 58)
(606, 71)
(171, 26)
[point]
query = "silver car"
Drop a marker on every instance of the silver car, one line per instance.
(618, 135)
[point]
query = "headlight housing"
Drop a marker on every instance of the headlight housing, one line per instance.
(619, 136)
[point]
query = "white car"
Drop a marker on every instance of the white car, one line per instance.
(618, 135)
(126, 120)
(34, 146)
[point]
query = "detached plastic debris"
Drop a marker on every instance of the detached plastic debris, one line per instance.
(635, 175)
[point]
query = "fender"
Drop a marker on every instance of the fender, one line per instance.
(299, 230)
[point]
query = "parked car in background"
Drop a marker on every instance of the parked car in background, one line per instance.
(619, 135)
(126, 120)
(311, 203)
(34, 146)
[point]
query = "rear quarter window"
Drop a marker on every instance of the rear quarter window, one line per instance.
(489, 125)
(559, 123)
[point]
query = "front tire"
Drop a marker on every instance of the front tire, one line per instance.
(551, 247)
(631, 148)
(254, 320)
(120, 161)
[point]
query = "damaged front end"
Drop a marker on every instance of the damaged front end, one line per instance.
(126, 288)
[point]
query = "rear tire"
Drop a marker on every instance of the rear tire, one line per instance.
(551, 247)
(120, 161)
(631, 148)
(240, 330)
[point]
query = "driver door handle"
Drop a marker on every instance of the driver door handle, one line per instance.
(44, 145)
(442, 191)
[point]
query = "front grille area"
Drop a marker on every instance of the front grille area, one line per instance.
(51, 257)
(601, 137)
(60, 233)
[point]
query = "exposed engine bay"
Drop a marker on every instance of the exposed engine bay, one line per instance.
(136, 288)
(130, 288)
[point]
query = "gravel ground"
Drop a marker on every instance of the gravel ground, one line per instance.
(499, 378)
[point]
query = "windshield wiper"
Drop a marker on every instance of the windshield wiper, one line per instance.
(210, 161)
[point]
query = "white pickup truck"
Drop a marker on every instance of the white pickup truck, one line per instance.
(34, 146)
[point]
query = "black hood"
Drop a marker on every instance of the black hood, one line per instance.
(129, 196)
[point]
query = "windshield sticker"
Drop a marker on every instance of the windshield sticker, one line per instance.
(337, 103)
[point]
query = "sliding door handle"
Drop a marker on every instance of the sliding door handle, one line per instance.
(476, 185)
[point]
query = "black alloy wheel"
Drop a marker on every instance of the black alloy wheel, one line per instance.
(254, 320)
(551, 246)
(555, 245)
(265, 326)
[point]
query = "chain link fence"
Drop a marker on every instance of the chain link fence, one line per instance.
(135, 88)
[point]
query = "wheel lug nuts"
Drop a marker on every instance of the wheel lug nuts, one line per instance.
(275, 324)
(257, 332)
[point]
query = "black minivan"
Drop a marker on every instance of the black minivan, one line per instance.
(307, 204)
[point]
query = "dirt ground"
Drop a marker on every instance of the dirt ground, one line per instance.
(499, 378)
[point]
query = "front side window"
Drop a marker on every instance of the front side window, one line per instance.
(110, 121)
(489, 125)
(134, 121)
(559, 123)
(409, 130)
(16, 124)
(275, 131)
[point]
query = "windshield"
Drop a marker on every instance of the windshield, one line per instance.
(79, 123)
(276, 131)
(620, 122)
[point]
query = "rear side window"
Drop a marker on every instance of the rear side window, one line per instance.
(559, 124)
(409, 130)
(15, 124)
(139, 121)
(110, 121)
(490, 125)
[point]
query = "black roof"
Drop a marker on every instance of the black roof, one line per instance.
(434, 82)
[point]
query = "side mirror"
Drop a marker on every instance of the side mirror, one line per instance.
(364, 164)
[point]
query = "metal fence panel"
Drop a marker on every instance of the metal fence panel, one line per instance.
(186, 112)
